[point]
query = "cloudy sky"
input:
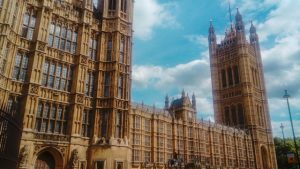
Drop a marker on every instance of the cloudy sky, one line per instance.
(171, 52)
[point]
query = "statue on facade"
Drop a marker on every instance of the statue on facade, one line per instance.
(23, 157)
(74, 159)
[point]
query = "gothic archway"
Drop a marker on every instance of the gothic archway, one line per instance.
(45, 161)
(49, 158)
(264, 157)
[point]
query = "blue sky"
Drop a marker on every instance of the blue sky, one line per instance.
(170, 51)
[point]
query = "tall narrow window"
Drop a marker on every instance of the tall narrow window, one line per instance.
(86, 122)
(106, 84)
(124, 6)
(257, 78)
(63, 38)
(57, 75)
(3, 59)
(259, 115)
(112, 4)
(147, 156)
(262, 116)
(89, 84)
(21, 66)
(224, 81)
(119, 124)
(147, 125)
(51, 118)
(253, 76)
(121, 87)
(229, 74)
(227, 116)
(104, 124)
(29, 22)
(137, 122)
(233, 115)
(136, 155)
(13, 106)
(93, 47)
(236, 75)
(241, 115)
(15, 14)
(100, 164)
(109, 48)
(122, 49)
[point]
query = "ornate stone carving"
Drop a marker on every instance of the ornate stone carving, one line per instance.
(34, 89)
(80, 98)
(74, 159)
(83, 60)
(23, 157)
(41, 46)
(61, 55)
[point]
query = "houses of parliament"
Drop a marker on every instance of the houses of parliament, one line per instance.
(65, 95)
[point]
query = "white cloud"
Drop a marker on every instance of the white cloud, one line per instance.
(149, 14)
(193, 76)
(279, 32)
(198, 39)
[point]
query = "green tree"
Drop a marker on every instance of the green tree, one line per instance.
(282, 149)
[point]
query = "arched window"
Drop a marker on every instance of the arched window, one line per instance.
(236, 75)
(259, 116)
(234, 115)
(119, 125)
(93, 47)
(241, 115)
(124, 6)
(29, 21)
(122, 49)
(230, 78)
(104, 124)
(112, 4)
(224, 81)
(109, 48)
(227, 116)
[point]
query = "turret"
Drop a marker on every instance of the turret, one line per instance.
(253, 35)
(240, 27)
(167, 102)
(212, 40)
(254, 41)
(194, 101)
(183, 94)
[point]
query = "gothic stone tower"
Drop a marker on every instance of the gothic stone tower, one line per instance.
(65, 83)
(239, 92)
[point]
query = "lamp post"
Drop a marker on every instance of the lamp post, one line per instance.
(287, 96)
(282, 127)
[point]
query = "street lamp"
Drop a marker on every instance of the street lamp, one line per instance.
(287, 96)
(282, 127)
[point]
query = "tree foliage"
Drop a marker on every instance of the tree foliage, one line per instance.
(283, 147)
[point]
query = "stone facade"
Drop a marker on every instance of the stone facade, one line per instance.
(65, 69)
(159, 135)
(65, 87)
(239, 92)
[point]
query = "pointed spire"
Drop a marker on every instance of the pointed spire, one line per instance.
(167, 102)
(182, 93)
(253, 36)
(238, 16)
(194, 101)
(211, 28)
(230, 14)
(252, 28)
